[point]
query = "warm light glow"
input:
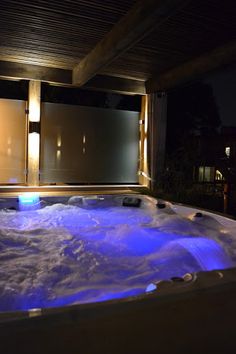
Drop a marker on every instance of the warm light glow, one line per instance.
(9, 143)
(190, 217)
(33, 144)
(145, 164)
(145, 149)
(58, 154)
(34, 138)
(34, 111)
(219, 175)
(59, 141)
(33, 153)
(84, 150)
(34, 101)
(84, 139)
(143, 167)
(224, 231)
(206, 174)
(227, 151)
(146, 118)
(13, 125)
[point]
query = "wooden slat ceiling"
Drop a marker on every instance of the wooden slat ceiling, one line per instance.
(197, 28)
(55, 33)
(61, 33)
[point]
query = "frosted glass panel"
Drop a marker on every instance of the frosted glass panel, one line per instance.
(88, 145)
(12, 142)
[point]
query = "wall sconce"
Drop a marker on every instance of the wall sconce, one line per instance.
(34, 127)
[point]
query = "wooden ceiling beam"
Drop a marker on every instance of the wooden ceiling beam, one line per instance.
(116, 85)
(143, 17)
(13, 70)
(62, 77)
(193, 69)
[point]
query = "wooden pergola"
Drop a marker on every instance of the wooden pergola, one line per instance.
(121, 46)
(125, 46)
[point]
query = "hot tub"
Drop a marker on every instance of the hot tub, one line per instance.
(116, 266)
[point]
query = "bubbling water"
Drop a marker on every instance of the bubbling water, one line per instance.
(77, 253)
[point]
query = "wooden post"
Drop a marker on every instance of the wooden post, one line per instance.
(34, 132)
(157, 120)
(143, 167)
(226, 197)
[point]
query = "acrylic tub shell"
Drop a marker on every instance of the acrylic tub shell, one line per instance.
(196, 316)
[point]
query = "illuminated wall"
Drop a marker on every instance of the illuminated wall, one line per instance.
(88, 145)
(33, 136)
(43, 143)
(12, 141)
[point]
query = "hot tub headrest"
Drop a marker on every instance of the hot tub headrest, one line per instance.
(131, 202)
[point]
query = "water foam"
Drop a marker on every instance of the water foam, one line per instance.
(65, 254)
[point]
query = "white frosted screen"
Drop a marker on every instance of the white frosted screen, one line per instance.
(88, 145)
(12, 142)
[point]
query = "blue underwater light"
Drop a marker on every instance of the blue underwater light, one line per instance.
(28, 201)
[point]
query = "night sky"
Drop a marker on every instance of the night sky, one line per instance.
(224, 88)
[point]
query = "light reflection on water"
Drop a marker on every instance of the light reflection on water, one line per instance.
(64, 254)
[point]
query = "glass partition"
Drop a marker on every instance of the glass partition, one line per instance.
(88, 145)
(12, 142)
